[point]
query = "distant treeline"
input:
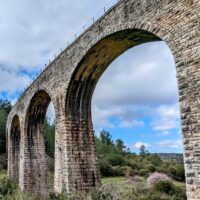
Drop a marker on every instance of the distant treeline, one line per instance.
(171, 157)
(5, 107)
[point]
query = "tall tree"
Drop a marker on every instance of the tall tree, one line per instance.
(106, 137)
(5, 107)
(143, 150)
(120, 145)
(49, 135)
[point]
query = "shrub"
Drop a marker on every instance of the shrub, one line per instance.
(65, 196)
(165, 186)
(55, 196)
(180, 173)
(180, 194)
(9, 190)
(105, 168)
(117, 171)
(136, 179)
(116, 159)
(19, 195)
(157, 177)
(127, 171)
(107, 192)
(7, 187)
(151, 168)
(143, 172)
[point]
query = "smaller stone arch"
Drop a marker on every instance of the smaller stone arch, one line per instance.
(15, 141)
(36, 170)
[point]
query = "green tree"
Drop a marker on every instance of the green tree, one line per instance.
(5, 107)
(3, 118)
(49, 136)
(105, 136)
(120, 145)
(143, 150)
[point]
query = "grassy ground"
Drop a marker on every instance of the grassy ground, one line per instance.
(129, 188)
(3, 173)
(121, 181)
(121, 187)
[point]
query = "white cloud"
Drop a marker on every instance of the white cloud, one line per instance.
(169, 143)
(166, 117)
(126, 115)
(130, 124)
(141, 82)
(51, 113)
(137, 145)
(163, 133)
(163, 144)
(32, 31)
(11, 81)
(140, 76)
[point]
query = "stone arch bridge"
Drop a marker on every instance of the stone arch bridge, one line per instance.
(69, 82)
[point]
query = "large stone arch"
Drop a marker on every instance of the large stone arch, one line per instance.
(80, 89)
(14, 148)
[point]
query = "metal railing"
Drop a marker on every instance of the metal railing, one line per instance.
(76, 35)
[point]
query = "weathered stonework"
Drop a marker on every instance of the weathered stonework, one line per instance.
(69, 82)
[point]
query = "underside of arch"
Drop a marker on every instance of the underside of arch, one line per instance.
(94, 63)
(15, 137)
(36, 172)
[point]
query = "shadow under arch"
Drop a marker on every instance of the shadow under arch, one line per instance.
(79, 95)
(15, 141)
(36, 170)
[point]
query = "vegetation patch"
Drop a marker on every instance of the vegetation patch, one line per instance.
(125, 175)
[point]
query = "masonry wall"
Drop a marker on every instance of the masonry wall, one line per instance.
(175, 22)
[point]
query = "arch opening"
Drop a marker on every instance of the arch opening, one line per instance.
(78, 101)
(135, 108)
(36, 151)
(15, 140)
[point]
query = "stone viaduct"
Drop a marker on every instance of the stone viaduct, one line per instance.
(69, 82)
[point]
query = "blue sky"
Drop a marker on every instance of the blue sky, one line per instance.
(136, 99)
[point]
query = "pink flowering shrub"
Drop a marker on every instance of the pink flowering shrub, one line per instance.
(157, 177)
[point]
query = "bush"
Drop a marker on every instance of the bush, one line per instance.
(19, 195)
(151, 168)
(105, 168)
(107, 192)
(143, 172)
(127, 171)
(7, 187)
(180, 194)
(180, 173)
(166, 187)
(157, 177)
(55, 196)
(117, 171)
(116, 159)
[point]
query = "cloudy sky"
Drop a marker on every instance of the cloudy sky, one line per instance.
(136, 99)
